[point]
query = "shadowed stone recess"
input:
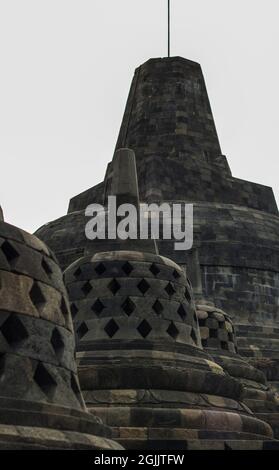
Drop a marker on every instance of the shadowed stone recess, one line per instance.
(141, 365)
(41, 405)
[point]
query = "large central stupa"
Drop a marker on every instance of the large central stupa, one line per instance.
(169, 125)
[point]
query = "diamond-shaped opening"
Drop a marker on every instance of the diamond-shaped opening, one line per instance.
(10, 252)
(170, 290)
(86, 288)
(45, 381)
(158, 307)
(128, 306)
(111, 328)
(77, 273)
(154, 269)
(46, 267)
(144, 328)
(176, 274)
(224, 345)
(74, 310)
(202, 321)
(127, 268)
(100, 269)
(221, 324)
(204, 343)
(114, 286)
(98, 307)
(37, 296)
(143, 286)
(182, 312)
(64, 308)
(13, 330)
(213, 333)
(82, 330)
(57, 342)
(172, 330)
(194, 335)
(187, 295)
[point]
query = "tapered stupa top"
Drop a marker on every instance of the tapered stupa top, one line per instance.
(169, 125)
(168, 112)
(124, 184)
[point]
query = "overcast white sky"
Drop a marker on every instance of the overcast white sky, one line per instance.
(66, 69)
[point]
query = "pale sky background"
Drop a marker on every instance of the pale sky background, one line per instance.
(66, 69)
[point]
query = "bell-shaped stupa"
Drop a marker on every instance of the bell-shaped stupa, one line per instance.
(41, 405)
(218, 338)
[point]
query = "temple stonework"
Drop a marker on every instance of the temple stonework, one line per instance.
(174, 349)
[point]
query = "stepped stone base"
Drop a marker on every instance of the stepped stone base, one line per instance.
(181, 443)
(29, 438)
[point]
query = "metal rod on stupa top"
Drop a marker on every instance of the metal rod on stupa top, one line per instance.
(169, 28)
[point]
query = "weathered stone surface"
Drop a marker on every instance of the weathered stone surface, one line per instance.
(169, 125)
(141, 366)
(125, 183)
(256, 394)
(41, 405)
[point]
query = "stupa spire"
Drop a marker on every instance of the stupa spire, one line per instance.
(169, 30)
